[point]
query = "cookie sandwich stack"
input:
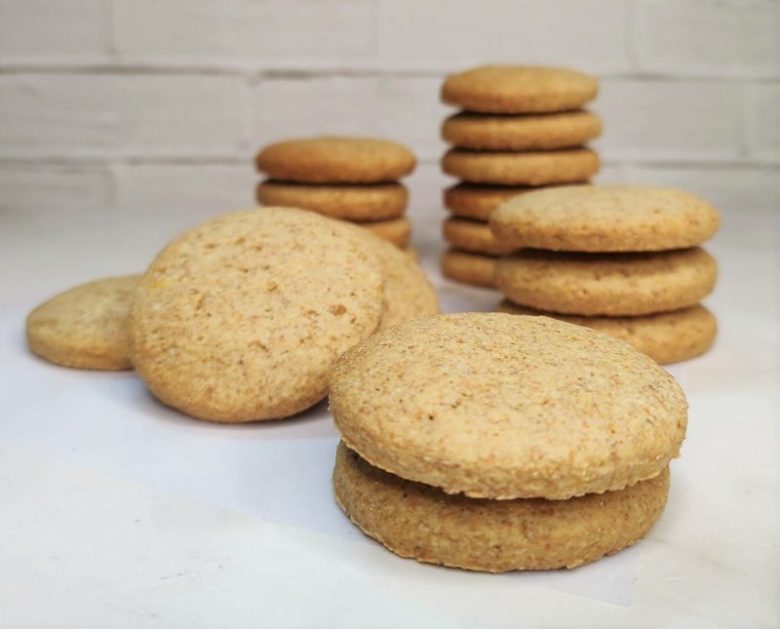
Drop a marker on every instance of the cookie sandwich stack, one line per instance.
(624, 260)
(349, 178)
(521, 128)
(496, 442)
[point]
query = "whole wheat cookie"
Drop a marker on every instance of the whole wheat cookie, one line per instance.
(510, 89)
(423, 523)
(336, 159)
(539, 168)
(605, 218)
(667, 337)
(242, 318)
(533, 132)
(477, 201)
(87, 327)
(611, 284)
(504, 406)
(472, 236)
(397, 231)
(468, 268)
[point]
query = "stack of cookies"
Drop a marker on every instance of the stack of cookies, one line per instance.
(496, 442)
(521, 128)
(624, 260)
(353, 179)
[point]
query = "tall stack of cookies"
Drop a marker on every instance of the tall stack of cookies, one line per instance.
(348, 178)
(521, 128)
(624, 260)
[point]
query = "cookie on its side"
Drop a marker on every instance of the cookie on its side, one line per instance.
(397, 231)
(468, 268)
(477, 201)
(472, 236)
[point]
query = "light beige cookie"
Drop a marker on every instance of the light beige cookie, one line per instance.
(468, 268)
(540, 168)
(668, 337)
(509, 89)
(605, 218)
(87, 326)
(398, 231)
(477, 201)
(243, 317)
(504, 406)
(423, 523)
(611, 284)
(472, 236)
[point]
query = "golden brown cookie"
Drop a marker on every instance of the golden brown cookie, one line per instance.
(423, 523)
(472, 236)
(398, 231)
(504, 406)
(336, 159)
(605, 218)
(540, 168)
(508, 89)
(87, 326)
(468, 268)
(477, 201)
(242, 318)
(611, 284)
(668, 337)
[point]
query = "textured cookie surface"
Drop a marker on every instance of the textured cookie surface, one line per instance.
(538, 168)
(472, 236)
(668, 337)
(477, 201)
(87, 326)
(398, 231)
(366, 202)
(611, 284)
(503, 406)
(423, 523)
(469, 268)
(336, 160)
(605, 218)
(507, 89)
(242, 318)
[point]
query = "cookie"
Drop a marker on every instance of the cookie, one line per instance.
(611, 284)
(539, 168)
(504, 406)
(535, 132)
(366, 202)
(508, 89)
(472, 236)
(243, 317)
(423, 523)
(605, 218)
(87, 326)
(398, 231)
(477, 201)
(335, 159)
(468, 268)
(668, 337)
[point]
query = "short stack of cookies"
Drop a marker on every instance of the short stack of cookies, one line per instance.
(624, 260)
(348, 178)
(521, 128)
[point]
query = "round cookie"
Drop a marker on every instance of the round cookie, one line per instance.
(366, 202)
(667, 337)
(477, 201)
(87, 326)
(611, 284)
(472, 236)
(503, 406)
(516, 168)
(605, 218)
(536, 132)
(398, 231)
(243, 317)
(423, 523)
(508, 89)
(335, 159)
(468, 268)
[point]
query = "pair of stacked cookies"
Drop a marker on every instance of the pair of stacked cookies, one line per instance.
(352, 179)
(624, 260)
(496, 442)
(521, 128)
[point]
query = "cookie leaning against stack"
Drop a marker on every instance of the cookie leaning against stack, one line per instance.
(521, 128)
(483, 461)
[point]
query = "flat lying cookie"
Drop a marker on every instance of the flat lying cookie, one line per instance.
(611, 284)
(507, 89)
(87, 326)
(477, 201)
(398, 231)
(504, 406)
(242, 318)
(605, 218)
(468, 268)
(336, 160)
(472, 236)
(423, 523)
(668, 337)
(541, 168)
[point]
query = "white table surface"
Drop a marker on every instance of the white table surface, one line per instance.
(116, 512)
